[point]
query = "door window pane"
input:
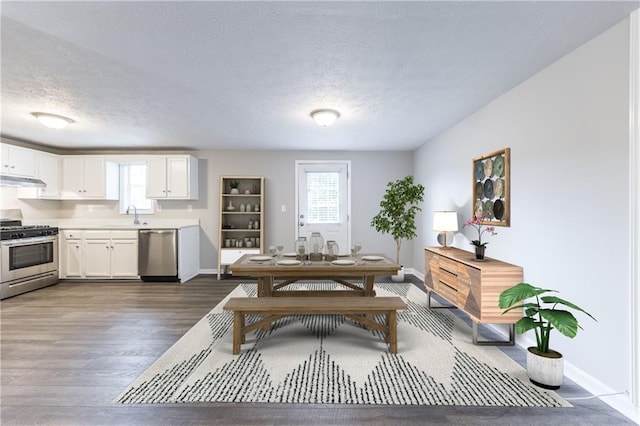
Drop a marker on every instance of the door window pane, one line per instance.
(323, 197)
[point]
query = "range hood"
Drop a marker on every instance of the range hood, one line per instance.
(6, 180)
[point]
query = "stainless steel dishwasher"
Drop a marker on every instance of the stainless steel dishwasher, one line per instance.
(158, 254)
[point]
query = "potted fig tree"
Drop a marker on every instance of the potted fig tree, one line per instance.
(543, 313)
(397, 215)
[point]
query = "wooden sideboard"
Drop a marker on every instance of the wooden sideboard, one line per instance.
(472, 286)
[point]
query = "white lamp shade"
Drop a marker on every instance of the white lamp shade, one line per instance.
(325, 117)
(444, 221)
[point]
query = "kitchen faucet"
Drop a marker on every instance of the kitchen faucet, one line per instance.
(136, 218)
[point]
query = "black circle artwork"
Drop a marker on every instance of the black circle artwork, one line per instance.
(491, 187)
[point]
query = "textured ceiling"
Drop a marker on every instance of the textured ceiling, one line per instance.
(245, 75)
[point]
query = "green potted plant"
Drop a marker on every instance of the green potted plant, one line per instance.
(542, 314)
(234, 186)
(397, 215)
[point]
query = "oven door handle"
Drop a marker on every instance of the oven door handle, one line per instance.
(30, 240)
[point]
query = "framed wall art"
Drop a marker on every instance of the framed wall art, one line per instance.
(491, 188)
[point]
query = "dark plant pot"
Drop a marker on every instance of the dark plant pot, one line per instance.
(480, 252)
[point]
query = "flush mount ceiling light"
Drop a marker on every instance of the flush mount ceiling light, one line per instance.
(52, 121)
(325, 117)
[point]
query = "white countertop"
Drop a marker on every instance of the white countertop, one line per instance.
(116, 223)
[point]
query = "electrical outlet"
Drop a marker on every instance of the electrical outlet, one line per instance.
(283, 208)
(189, 208)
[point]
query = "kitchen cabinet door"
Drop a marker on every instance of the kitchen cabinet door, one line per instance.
(157, 177)
(89, 177)
(18, 161)
(172, 177)
(124, 258)
(72, 178)
(177, 177)
(101, 179)
(71, 259)
(93, 177)
(49, 172)
(97, 258)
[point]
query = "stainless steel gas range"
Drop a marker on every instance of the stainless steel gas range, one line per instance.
(28, 257)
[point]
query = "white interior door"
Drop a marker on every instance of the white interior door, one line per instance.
(323, 202)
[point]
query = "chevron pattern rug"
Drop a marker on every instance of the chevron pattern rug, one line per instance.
(329, 359)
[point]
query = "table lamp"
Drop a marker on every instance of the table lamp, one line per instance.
(445, 222)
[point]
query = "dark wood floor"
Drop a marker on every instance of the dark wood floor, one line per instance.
(68, 350)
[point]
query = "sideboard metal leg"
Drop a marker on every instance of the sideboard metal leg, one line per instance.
(510, 342)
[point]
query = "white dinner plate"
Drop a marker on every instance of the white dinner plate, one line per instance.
(289, 255)
(372, 258)
(260, 258)
(288, 262)
(343, 262)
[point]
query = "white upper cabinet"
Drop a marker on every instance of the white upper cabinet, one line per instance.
(47, 170)
(89, 177)
(18, 161)
(172, 177)
(49, 173)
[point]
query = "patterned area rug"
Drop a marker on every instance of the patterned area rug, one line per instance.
(330, 359)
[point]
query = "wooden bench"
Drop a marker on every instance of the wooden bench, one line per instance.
(359, 309)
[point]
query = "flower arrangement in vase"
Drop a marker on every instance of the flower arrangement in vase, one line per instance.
(478, 223)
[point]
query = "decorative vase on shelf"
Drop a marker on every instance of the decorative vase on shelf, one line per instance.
(480, 252)
(230, 206)
(235, 191)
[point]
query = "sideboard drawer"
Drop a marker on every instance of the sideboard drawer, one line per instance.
(448, 265)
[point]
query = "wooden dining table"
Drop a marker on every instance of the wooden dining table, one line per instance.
(274, 274)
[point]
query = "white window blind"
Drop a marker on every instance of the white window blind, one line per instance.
(323, 197)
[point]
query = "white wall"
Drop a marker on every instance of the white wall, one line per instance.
(567, 128)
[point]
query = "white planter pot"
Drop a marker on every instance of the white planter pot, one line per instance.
(399, 277)
(544, 371)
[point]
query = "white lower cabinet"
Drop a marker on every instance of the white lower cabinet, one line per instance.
(124, 257)
(99, 254)
(71, 263)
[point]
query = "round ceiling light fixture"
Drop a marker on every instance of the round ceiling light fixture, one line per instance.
(52, 121)
(325, 117)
